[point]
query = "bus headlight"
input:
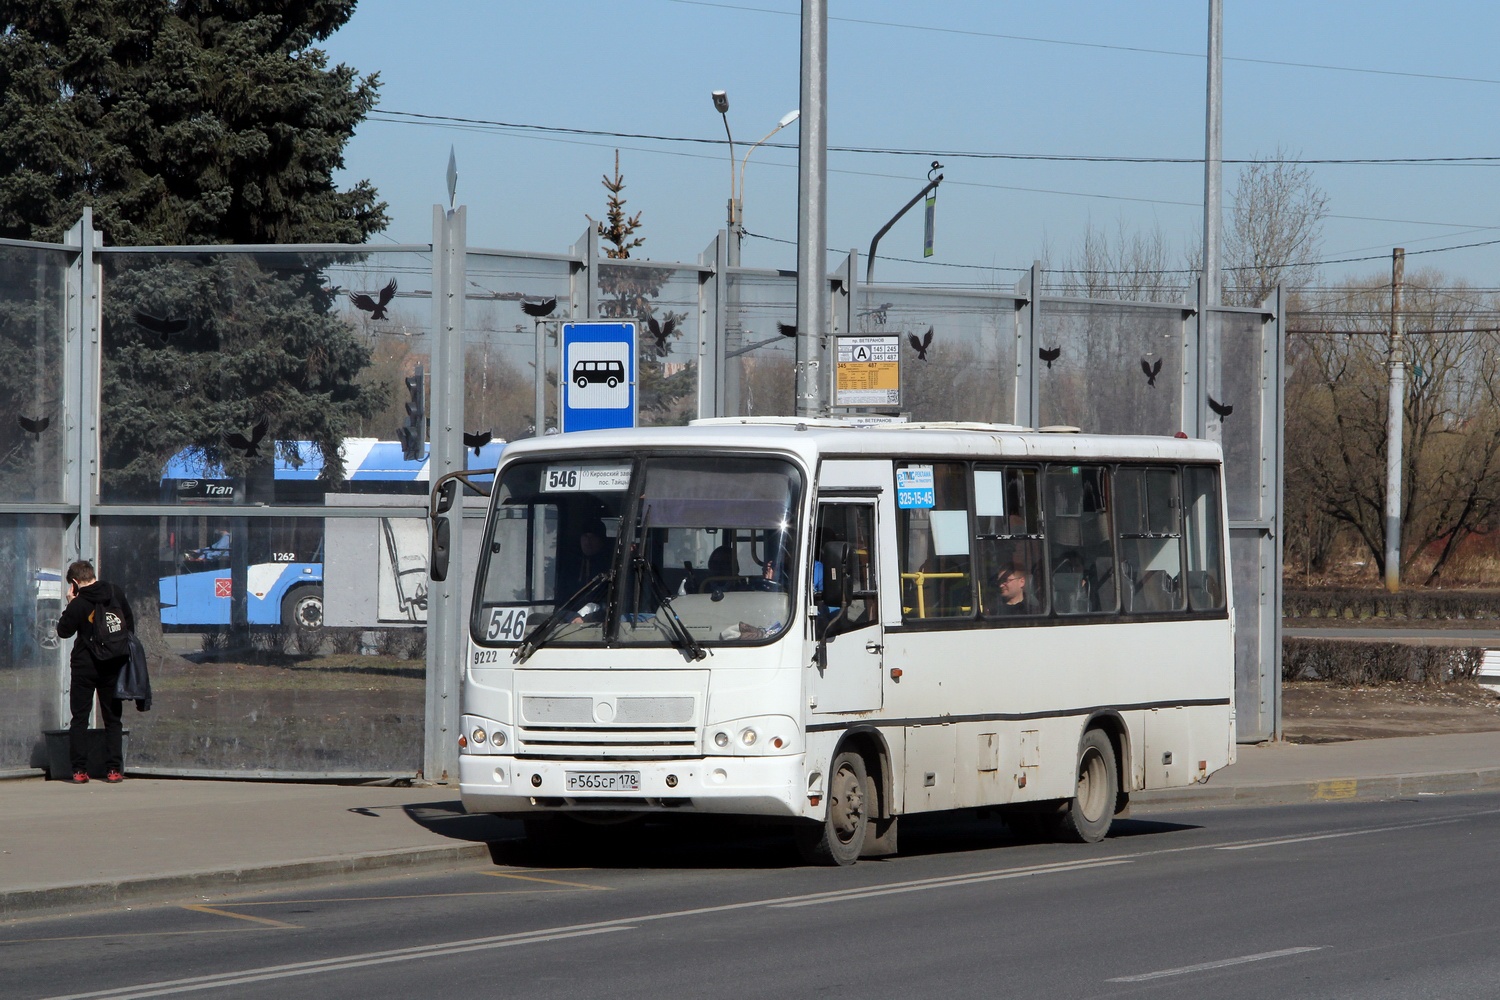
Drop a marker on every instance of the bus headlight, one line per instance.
(481, 735)
(761, 735)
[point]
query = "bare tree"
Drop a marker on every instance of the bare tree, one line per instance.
(1275, 229)
(1135, 266)
(1336, 426)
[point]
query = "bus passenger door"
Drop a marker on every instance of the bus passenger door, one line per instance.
(848, 677)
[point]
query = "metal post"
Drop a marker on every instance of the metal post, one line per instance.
(445, 613)
(1213, 169)
(932, 184)
(812, 210)
(1394, 426)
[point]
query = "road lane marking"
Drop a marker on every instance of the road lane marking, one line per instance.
(957, 880)
(1220, 964)
(549, 881)
(267, 921)
(1335, 835)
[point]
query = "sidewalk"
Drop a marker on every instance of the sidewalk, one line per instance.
(65, 848)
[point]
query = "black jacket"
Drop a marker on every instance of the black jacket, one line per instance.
(75, 618)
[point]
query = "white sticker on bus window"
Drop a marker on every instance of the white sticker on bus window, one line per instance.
(592, 478)
(950, 532)
(989, 494)
(507, 624)
(914, 487)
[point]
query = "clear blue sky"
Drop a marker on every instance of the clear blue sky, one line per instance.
(1327, 79)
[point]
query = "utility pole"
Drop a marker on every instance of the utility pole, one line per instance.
(1394, 430)
(812, 211)
(1209, 423)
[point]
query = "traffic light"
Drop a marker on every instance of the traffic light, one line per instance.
(413, 433)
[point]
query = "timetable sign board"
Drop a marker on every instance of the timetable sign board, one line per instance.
(867, 371)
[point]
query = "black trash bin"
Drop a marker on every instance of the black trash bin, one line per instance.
(59, 755)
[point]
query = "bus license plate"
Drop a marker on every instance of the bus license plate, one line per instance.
(604, 781)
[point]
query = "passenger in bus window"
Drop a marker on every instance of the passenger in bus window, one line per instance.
(1016, 597)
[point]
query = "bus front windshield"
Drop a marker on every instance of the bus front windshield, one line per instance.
(683, 550)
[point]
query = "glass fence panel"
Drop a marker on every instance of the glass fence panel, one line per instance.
(1109, 367)
(1242, 340)
(262, 377)
(32, 326)
(288, 646)
(509, 302)
(31, 593)
(662, 299)
(958, 352)
(760, 361)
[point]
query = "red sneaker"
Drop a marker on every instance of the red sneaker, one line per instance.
(114, 777)
(80, 777)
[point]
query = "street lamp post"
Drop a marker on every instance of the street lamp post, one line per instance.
(721, 105)
(737, 188)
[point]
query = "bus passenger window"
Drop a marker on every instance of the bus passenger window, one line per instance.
(1008, 536)
(1205, 557)
(933, 532)
(1148, 516)
(1080, 544)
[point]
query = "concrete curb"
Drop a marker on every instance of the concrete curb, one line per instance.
(159, 888)
(1326, 790)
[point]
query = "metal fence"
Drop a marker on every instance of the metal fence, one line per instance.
(171, 399)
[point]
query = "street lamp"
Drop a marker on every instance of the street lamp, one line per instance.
(739, 229)
(721, 105)
(737, 201)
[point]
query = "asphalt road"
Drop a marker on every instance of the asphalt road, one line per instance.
(1371, 900)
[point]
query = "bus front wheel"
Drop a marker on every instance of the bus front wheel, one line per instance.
(303, 608)
(840, 838)
(1085, 818)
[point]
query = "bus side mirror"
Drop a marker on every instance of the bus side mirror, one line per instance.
(838, 574)
(437, 564)
(446, 493)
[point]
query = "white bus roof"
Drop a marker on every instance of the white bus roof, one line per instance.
(831, 437)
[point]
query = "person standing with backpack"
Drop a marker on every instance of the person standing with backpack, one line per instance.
(100, 616)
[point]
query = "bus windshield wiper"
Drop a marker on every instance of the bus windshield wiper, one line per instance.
(539, 635)
(682, 638)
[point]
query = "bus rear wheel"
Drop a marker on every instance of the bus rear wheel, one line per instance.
(840, 838)
(1085, 818)
(302, 609)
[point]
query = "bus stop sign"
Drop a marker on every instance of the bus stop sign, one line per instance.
(599, 373)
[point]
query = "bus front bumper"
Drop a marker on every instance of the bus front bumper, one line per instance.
(758, 786)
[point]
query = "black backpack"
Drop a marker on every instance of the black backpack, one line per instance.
(109, 639)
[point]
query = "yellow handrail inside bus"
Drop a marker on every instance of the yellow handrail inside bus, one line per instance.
(920, 577)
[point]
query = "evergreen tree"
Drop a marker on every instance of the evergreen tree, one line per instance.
(179, 122)
(627, 293)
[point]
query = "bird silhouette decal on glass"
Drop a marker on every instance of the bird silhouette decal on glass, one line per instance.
(165, 328)
(1222, 409)
(878, 312)
(539, 307)
(33, 427)
(477, 441)
(1049, 354)
(920, 346)
(661, 332)
(1150, 370)
(376, 309)
(251, 445)
(787, 329)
